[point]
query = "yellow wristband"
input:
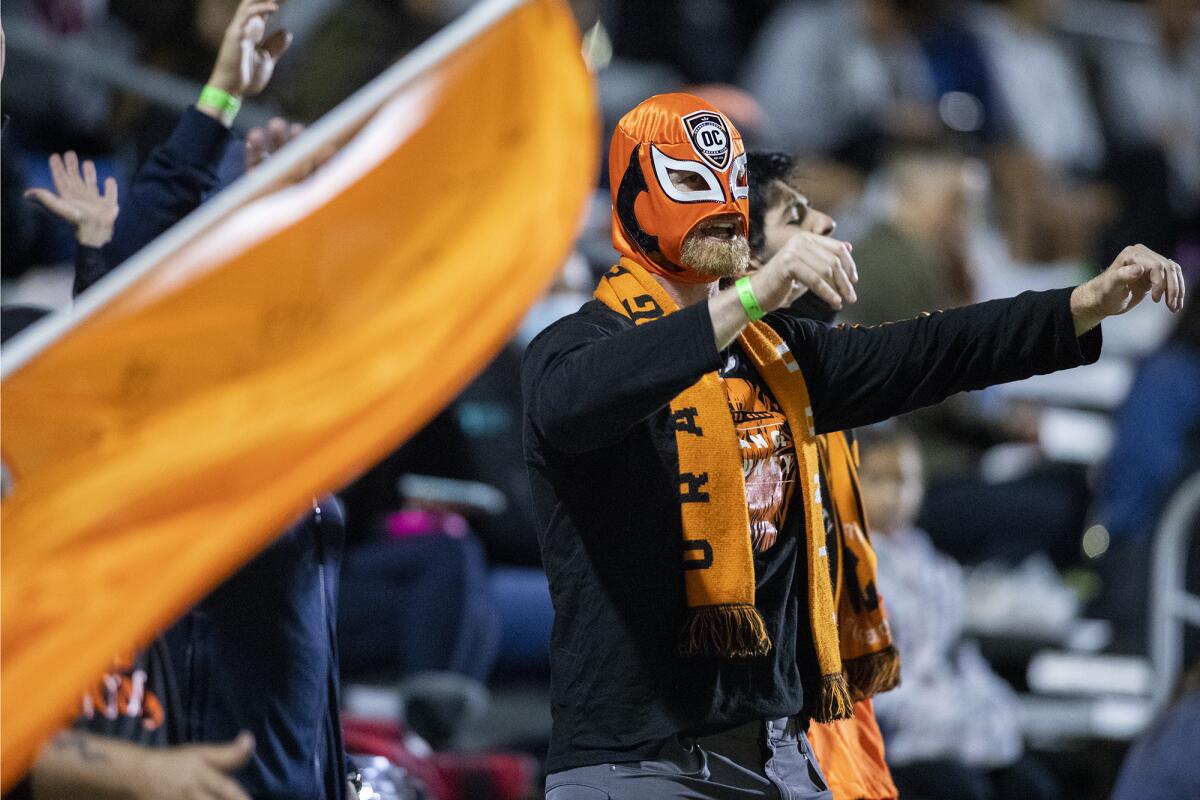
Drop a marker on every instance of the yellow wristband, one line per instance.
(754, 312)
(220, 101)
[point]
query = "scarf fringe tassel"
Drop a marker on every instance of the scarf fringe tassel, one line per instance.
(724, 631)
(834, 702)
(873, 673)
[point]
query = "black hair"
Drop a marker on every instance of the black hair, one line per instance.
(764, 168)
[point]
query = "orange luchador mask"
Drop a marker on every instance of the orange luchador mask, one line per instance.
(674, 161)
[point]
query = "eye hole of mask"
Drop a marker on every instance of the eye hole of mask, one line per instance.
(739, 178)
(686, 181)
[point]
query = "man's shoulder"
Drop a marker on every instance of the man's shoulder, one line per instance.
(593, 320)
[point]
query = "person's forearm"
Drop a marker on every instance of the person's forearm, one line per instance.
(863, 375)
(1083, 309)
(728, 317)
(76, 764)
(171, 184)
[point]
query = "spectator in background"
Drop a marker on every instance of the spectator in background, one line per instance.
(259, 653)
(1150, 93)
(1050, 206)
(841, 94)
(951, 727)
(1042, 87)
(917, 259)
(1157, 447)
(1162, 764)
(913, 260)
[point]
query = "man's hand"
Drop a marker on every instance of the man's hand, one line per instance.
(193, 771)
(78, 200)
(246, 59)
(1136, 272)
(808, 262)
(77, 764)
(264, 142)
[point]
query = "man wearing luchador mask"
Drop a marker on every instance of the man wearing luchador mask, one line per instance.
(670, 436)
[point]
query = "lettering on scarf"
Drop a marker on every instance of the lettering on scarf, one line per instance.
(643, 308)
(705, 559)
(685, 420)
(695, 482)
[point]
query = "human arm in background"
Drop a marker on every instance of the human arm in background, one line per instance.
(182, 172)
(77, 764)
(78, 200)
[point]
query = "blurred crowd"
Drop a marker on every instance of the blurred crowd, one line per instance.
(968, 150)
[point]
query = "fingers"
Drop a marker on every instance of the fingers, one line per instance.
(232, 756)
(1175, 287)
(1181, 287)
(256, 148)
(89, 176)
(831, 260)
(1143, 271)
(246, 16)
(277, 43)
(110, 190)
(817, 275)
(63, 183)
(54, 204)
(277, 134)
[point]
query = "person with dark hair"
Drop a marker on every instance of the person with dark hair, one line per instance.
(669, 433)
(259, 653)
(851, 751)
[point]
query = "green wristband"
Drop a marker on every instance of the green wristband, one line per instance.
(754, 312)
(220, 101)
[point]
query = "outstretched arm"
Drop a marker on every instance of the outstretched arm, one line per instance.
(857, 376)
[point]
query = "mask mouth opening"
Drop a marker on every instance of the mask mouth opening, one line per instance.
(722, 227)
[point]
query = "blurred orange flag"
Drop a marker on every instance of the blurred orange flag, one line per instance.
(278, 342)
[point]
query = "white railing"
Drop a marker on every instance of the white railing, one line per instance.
(1172, 606)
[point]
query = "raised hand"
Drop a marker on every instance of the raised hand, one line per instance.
(248, 56)
(79, 201)
(264, 142)
(1136, 272)
(808, 262)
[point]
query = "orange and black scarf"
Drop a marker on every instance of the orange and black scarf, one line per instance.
(718, 565)
(869, 658)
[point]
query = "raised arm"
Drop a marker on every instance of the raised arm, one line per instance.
(857, 376)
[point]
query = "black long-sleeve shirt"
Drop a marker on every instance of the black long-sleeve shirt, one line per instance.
(603, 468)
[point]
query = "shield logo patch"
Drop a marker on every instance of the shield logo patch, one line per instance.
(709, 136)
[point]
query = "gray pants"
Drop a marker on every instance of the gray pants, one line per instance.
(756, 760)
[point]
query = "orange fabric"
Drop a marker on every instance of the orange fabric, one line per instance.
(682, 128)
(850, 752)
(871, 660)
(172, 434)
